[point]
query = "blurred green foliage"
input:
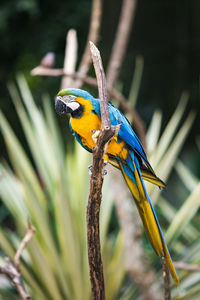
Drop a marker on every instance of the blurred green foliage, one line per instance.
(50, 187)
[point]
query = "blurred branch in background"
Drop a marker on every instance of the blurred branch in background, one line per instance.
(70, 58)
(183, 266)
(121, 41)
(93, 36)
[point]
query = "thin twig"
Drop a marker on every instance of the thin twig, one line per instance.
(96, 182)
(166, 278)
(12, 269)
(22, 245)
(93, 36)
(121, 41)
(187, 267)
(42, 71)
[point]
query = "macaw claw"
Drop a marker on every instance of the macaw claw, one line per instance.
(105, 172)
(90, 170)
(95, 135)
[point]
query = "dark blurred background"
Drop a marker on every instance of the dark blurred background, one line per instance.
(165, 33)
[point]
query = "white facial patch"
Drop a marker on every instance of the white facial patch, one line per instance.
(67, 98)
(69, 101)
(73, 105)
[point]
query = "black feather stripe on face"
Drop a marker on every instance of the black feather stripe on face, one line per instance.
(63, 108)
(78, 112)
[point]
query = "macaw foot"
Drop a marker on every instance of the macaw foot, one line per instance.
(95, 135)
(90, 170)
(105, 172)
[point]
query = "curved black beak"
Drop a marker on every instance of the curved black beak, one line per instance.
(61, 108)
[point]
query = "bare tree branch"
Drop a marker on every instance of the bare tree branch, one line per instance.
(12, 270)
(96, 182)
(93, 36)
(42, 71)
(121, 41)
(166, 278)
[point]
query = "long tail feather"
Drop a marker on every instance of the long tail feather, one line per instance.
(146, 174)
(151, 177)
(152, 227)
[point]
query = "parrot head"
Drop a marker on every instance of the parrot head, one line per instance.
(66, 101)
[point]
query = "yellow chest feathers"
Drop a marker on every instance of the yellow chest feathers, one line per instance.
(88, 122)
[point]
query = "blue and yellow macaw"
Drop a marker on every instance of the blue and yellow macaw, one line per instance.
(124, 152)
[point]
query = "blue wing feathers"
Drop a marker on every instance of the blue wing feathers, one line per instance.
(125, 132)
